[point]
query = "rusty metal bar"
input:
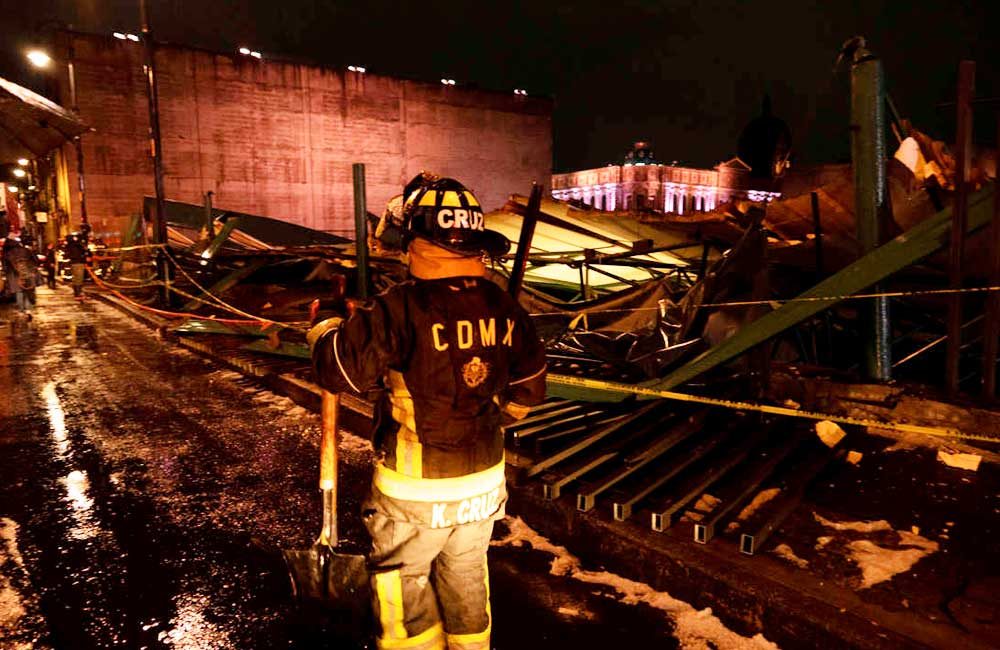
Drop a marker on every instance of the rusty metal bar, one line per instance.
(622, 510)
(585, 501)
(991, 331)
(528, 222)
(704, 530)
(959, 217)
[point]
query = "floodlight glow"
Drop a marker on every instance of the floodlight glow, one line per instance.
(245, 51)
(255, 54)
(20, 173)
(12, 188)
(39, 59)
(448, 82)
(132, 37)
(32, 188)
(23, 162)
(119, 36)
(356, 68)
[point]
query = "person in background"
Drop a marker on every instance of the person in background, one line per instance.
(453, 354)
(19, 263)
(50, 266)
(76, 253)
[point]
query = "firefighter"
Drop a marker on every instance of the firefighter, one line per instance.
(453, 354)
(77, 254)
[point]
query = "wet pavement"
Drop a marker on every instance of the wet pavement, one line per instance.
(147, 493)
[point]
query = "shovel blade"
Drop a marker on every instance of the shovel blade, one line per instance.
(338, 580)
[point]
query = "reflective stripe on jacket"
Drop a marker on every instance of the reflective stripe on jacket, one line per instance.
(450, 353)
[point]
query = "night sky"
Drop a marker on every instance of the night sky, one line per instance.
(684, 75)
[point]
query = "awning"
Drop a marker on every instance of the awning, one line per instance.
(564, 233)
(32, 126)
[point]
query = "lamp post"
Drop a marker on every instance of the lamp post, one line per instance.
(41, 60)
(155, 146)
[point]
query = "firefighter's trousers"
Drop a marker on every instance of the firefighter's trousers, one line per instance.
(430, 585)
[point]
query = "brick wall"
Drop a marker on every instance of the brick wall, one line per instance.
(278, 139)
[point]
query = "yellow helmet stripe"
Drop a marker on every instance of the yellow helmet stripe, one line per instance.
(473, 203)
(451, 200)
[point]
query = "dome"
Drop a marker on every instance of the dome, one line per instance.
(765, 144)
(640, 154)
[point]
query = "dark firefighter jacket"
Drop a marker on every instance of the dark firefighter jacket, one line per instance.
(452, 354)
(76, 251)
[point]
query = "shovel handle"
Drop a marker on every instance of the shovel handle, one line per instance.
(328, 442)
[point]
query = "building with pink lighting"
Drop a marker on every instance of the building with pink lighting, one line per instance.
(642, 183)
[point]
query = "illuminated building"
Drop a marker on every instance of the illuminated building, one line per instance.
(643, 183)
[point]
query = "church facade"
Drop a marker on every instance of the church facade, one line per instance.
(641, 183)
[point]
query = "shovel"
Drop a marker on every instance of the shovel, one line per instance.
(320, 575)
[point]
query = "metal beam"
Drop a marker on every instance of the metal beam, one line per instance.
(231, 224)
(585, 501)
(663, 519)
(587, 424)
(553, 489)
(622, 510)
(992, 328)
(284, 349)
(576, 417)
(913, 245)
(228, 281)
(868, 158)
(361, 229)
(155, 145)
(589, 441)
(794, 492)
(528, 222)
(565, 410)
(704, 530)
(963, 164)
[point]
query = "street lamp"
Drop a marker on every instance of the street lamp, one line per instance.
(23, 162)
(20, 173)
(39, 58)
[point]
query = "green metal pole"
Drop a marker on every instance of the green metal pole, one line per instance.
(868, 156)
(361, 229)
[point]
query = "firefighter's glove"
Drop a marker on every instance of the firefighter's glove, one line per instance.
(321, 328)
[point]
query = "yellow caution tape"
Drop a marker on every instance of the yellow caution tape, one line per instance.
(632, 389)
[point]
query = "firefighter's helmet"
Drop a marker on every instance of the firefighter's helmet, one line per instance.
(444, 212)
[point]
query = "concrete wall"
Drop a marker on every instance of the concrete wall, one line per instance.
(278, 139)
